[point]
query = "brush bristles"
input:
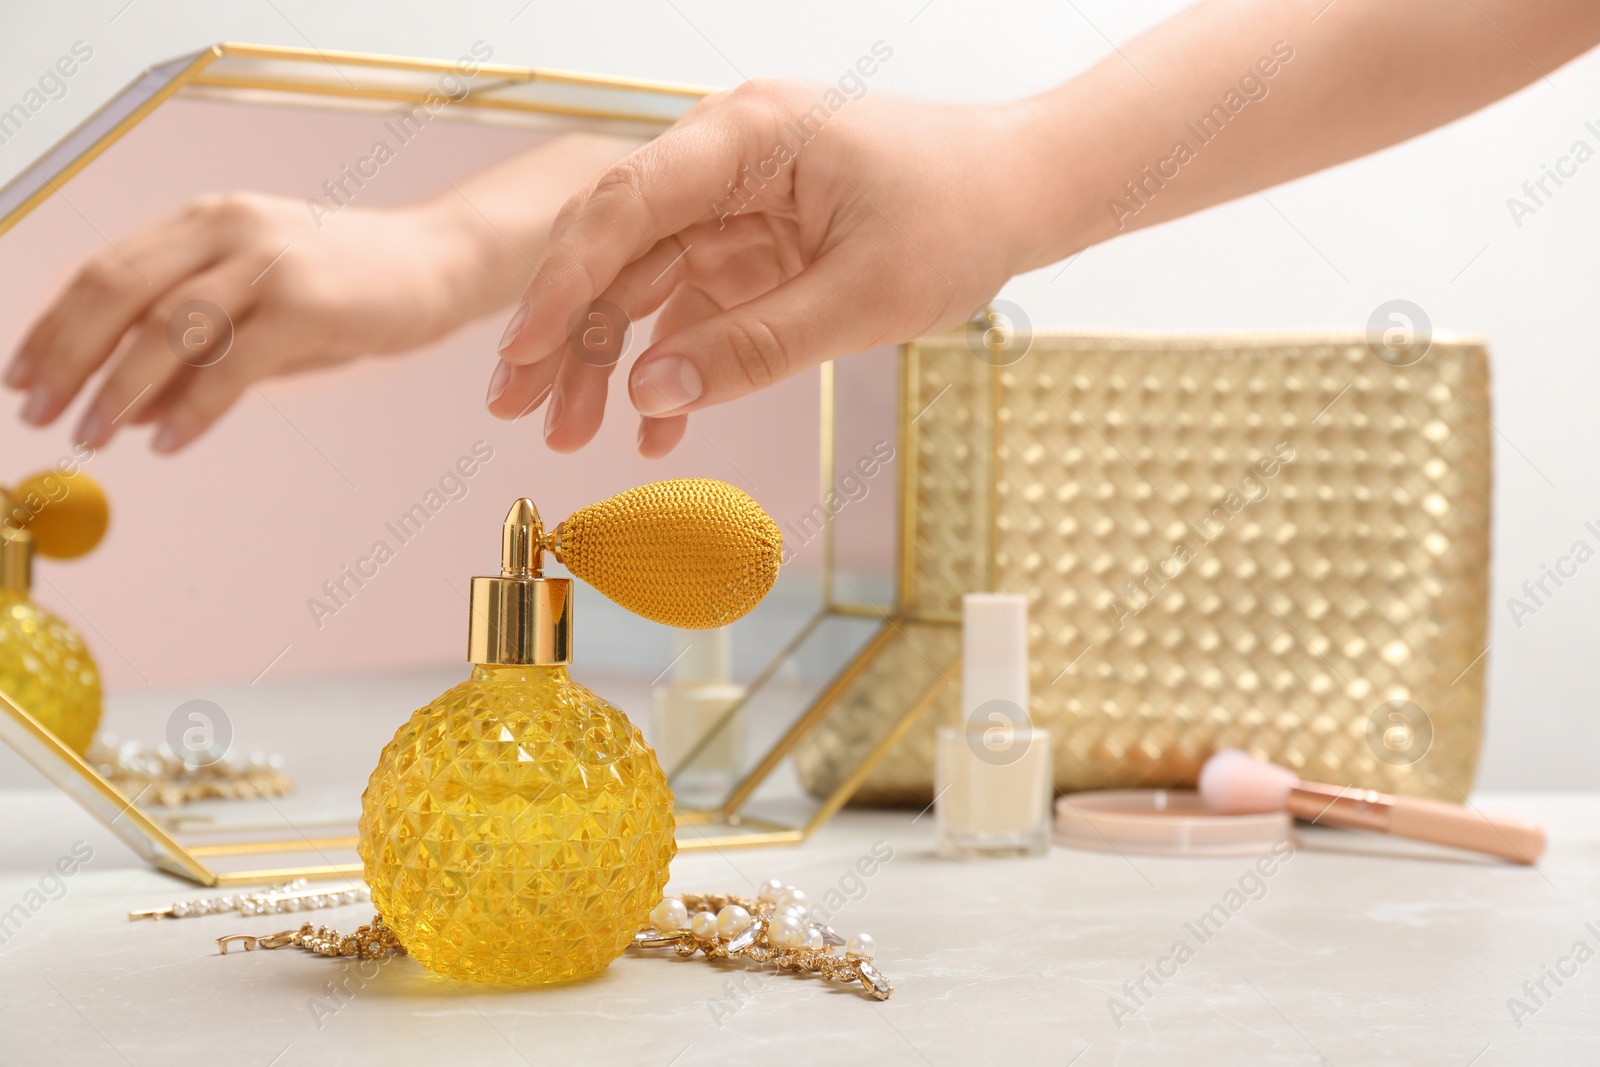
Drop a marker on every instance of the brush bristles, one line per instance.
(1234, 782)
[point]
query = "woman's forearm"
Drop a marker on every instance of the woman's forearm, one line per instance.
(1232, 96)
(840, 220)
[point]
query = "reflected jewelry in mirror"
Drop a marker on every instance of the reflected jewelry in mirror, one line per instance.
(158, 776)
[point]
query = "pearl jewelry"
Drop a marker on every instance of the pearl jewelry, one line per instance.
(733, 921)
(787, 933)
(728, 928)
(669, 916)
(770, 890)
(792, 898)
(290, 896)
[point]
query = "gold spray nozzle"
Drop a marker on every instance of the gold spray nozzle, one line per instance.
(520, 617)
(522, 542)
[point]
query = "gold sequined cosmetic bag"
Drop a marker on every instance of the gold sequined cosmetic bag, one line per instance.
(1273, 543)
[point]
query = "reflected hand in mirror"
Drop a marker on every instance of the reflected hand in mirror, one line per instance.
(301, 293)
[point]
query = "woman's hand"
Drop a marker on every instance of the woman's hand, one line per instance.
(772, 233)
(778, 225)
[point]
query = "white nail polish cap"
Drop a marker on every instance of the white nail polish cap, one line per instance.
(994, 650)
(702, 657)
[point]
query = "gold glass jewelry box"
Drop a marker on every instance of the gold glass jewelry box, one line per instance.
(260, 842)
(256, 841)
(1273, 543)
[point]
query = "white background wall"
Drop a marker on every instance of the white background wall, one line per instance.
(1426, 221)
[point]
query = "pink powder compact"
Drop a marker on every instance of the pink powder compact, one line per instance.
(1163, 822)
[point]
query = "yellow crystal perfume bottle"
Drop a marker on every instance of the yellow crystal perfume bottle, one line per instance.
(518, 829)
(44, 665)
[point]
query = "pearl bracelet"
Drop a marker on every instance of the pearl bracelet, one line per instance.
(290, 896)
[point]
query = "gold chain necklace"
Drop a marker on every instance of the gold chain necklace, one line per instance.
(772, 930)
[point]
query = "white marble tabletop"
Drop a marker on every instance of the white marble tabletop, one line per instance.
(1356, 950)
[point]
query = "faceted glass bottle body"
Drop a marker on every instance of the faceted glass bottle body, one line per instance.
(516, 830)
(45, 667)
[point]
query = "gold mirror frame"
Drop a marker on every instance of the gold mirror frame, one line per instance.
(246, 73)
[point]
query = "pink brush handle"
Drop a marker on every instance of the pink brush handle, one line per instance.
(1464, 827)
(1418, 819)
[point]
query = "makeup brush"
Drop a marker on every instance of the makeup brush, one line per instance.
(1235, 783)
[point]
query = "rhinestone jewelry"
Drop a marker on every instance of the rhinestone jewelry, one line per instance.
(372, 941)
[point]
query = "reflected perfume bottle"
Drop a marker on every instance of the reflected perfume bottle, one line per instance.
(45, 667)
(695, 739)
(518, 829)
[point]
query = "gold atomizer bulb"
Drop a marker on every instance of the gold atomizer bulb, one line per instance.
(518, 829)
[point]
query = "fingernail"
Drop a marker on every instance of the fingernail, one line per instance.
(514, 327)
(168, 438)
(17, 373)
(93, 427)
(552, 415)
(664, 385)
(38, 405)
(531, 406)
(498, 381)
(644, 425)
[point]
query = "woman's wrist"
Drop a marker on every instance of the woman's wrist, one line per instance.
(1052, 188)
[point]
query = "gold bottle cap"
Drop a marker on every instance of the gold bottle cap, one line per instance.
(16, 560)
(521, 617)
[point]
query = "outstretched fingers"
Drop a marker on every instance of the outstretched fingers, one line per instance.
(668, 185)
(753, 344)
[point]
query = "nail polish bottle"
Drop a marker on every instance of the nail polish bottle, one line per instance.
(518, 829)
(688, 715)
(44, 665)
(992, 771)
